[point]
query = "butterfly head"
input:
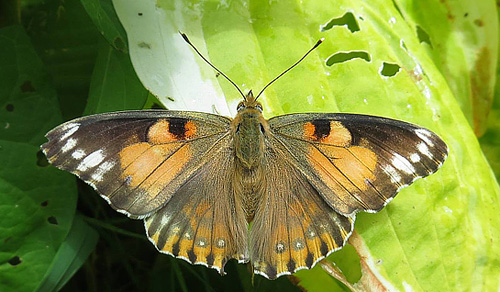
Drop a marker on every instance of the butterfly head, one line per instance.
(249, 102)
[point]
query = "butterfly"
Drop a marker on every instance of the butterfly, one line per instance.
(198, 180)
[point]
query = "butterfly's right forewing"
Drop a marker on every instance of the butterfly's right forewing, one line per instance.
(358, 162)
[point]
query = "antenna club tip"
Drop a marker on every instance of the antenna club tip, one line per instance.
(319, 42)
(184, 36)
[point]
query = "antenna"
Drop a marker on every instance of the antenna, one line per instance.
(184, 36)
(291, 67)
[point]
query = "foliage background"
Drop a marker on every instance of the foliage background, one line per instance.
(62, 59)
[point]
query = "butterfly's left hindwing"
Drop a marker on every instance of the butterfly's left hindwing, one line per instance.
(138, 159)
(358, 162)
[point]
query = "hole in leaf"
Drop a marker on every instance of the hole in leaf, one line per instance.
(156, 106)
(347, 19)
(343, 57)
(140, 13)
(423, 36)
(15, 261)
(27, 86)
(52, 220)
(466, 14)
(41, 160)
(389, 69)
(9, 107)
(144, 45)
(403, 45)
(397, 8)
(44, 203)
(119, 44)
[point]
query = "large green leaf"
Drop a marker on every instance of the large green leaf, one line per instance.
(37, 202)
(439, 234)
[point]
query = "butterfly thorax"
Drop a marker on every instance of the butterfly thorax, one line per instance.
(249, 129)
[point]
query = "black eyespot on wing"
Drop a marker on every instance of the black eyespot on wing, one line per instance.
(321, 128)
(177, 127)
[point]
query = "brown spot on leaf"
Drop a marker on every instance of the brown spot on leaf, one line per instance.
(27, 86)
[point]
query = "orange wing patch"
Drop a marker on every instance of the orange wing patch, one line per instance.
(152, 167)
(348, 171)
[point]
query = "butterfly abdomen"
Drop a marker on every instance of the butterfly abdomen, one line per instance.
(249, 185)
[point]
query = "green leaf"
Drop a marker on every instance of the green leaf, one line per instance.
(114, 85)
(37, 202)
(75, 249)
(104, 17)
(490, 141)
(66, 40)
(439, 234)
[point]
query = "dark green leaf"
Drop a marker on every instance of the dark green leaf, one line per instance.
(114, 85)
(37, 202)
(104, 17)
(75, 249)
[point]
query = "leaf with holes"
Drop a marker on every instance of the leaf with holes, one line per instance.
(37, 202)
(439, 234)
(462, 40)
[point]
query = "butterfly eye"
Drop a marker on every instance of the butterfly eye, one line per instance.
(240, 106)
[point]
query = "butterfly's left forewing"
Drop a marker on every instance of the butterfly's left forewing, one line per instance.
(358, 162)
(136, 160)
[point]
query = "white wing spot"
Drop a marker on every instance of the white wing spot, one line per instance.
(280, 247)
(78, 154)
(221, 243)
(425, 135)
(69, 129)
(102, 169)
(402, 164)
(422, 147)
(415, 157)
(91, 160)
(395, 177)
(70, 144)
